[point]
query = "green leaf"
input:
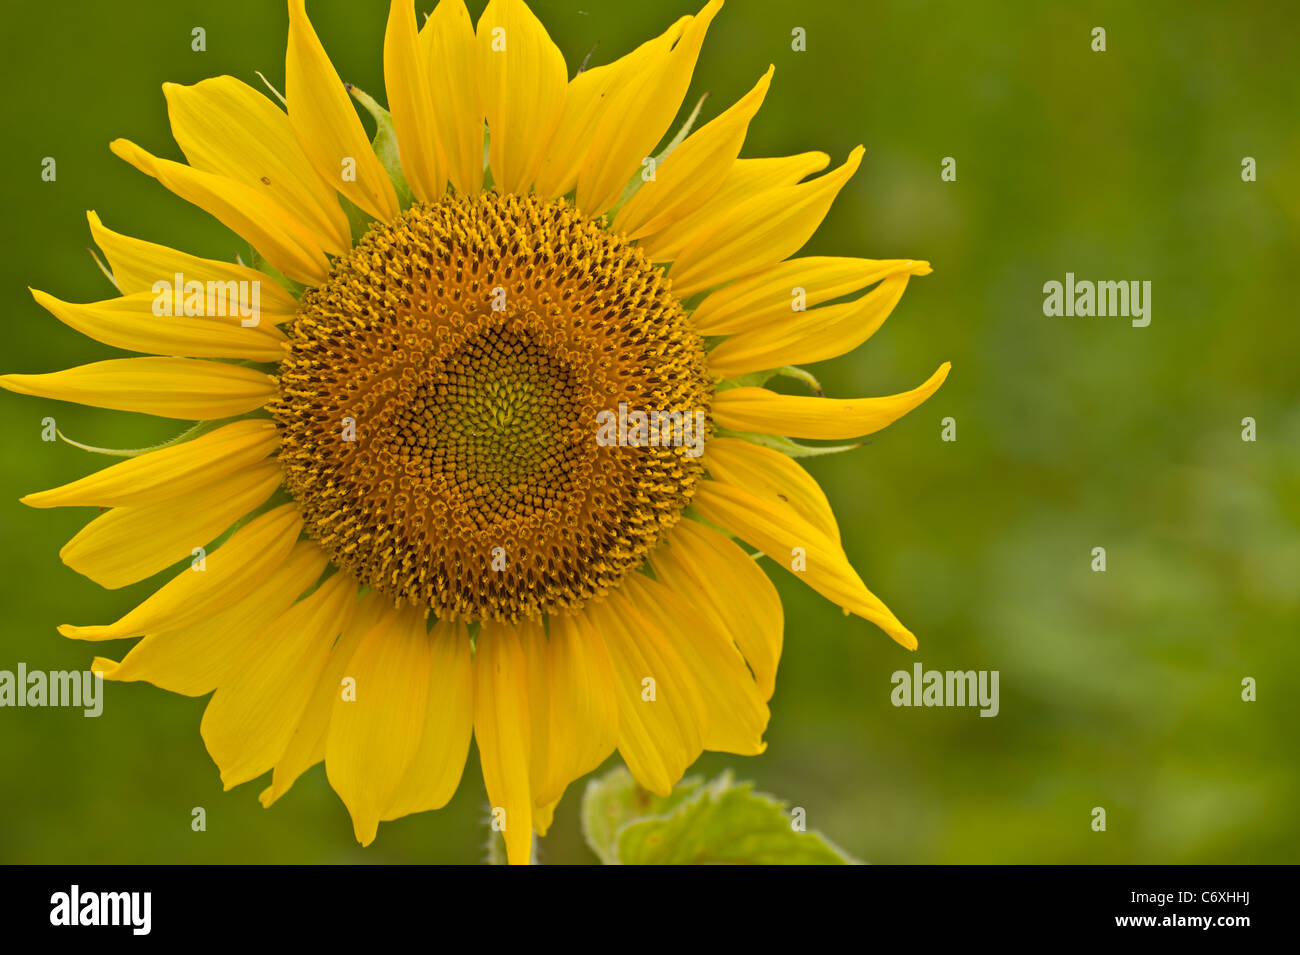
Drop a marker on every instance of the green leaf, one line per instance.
(722, 822)
(615, 799)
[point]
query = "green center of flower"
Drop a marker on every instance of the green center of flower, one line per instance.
(495, 415)
(445, 404)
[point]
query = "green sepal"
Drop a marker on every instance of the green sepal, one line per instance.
(358, 219)
(191, 432)
(104, 268)
(385, 144)
(757, 379)
(194, 431)
(783, 444)
(636, 181)
(258, 261)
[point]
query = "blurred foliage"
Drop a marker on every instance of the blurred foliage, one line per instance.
(1119, 690)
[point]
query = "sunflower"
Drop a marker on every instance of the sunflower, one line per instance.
(401, 530)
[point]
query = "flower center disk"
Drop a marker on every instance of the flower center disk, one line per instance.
(439, 402)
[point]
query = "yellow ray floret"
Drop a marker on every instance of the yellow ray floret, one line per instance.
(799, 416)
(166, 387)
(326, 124)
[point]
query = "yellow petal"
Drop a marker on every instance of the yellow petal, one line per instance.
(168, 472)
(166, 387)
(735, 712)
(747, 181)
(374, 737)
(128, 544)
(781, 534)
(503, 734)
(639, 113)
(723, 582)
(571, 694)
(584, 97)
(809, 336)
(194, 657)
(522, 81)
(767, 297)
(543, 816)
(306, 746)
(773, 226)
(436, 769)
(447, 41)
(224, 126)
(287, 244)
(586, 104)
(232, 570)
(326, 124)
(773, 476)
(694, 171)
(137, 265)
(406, 78)
(131, 322)
(800, 416)
(660, 714)
(251, 718)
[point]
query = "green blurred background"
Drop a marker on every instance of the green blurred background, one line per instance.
(1119, 689)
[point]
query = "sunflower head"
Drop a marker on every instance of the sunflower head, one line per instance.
(438, 399)
(482, 444)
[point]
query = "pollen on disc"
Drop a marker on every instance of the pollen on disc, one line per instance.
(439, 399)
